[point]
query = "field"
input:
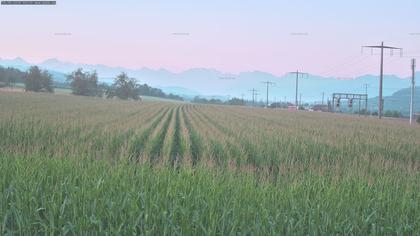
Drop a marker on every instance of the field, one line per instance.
(73, 165)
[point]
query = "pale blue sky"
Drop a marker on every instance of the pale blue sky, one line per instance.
(275, 36)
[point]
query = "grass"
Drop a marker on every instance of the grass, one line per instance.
(72, 165)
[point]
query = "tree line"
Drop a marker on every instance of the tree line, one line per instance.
(82, 83)
(34, 79)
(9, 76)
(233, 101)
(123, 87)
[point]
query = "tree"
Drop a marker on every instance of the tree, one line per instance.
(84, 83)
(236, 102)
(47, 81)
(124, 88)
(197, 99)
(362, 112)
(146, 90)
(9, 76)
(38, 81)
(103, 89)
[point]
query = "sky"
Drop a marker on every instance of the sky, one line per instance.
(322, 37)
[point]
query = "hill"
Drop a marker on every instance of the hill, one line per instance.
(211, 82)
(399, 101)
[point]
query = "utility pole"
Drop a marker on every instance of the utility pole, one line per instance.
(297, 84)
(253, 96)
(366, 88)
(300, 100)
(381, 77)
(366, 103)
(413, 69)
(275, 103)
(256, 96)
(268, 83)
(371, 109)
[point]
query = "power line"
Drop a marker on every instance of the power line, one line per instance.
(346, 63)
(387, 88)
(359, 66)
(346, 66)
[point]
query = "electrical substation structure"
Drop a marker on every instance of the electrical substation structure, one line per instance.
(350, 98)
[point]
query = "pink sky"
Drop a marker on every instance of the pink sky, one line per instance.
(272, 36)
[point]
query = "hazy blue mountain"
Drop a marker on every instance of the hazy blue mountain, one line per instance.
(17, 63)
(399, 101)
(66, 67)
(211, 82)
(22, 65)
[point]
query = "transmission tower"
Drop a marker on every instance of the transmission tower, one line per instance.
(381, 77)
(300, 99)
(268, 83)
(297, 84)
(413, 84)
(366, 88)
(256, 96)
(254, 91)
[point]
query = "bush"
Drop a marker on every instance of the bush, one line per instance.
(418, 119)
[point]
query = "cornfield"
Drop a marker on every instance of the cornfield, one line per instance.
(74, 166)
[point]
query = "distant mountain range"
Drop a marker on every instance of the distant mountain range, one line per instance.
(213, 83)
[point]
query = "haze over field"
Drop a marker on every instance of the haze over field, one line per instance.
(210, 82)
